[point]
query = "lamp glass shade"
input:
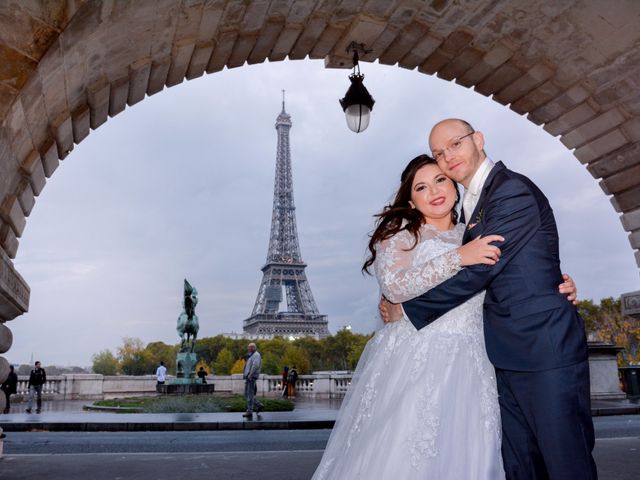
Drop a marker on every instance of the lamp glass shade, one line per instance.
(358, 117)
(357, 104)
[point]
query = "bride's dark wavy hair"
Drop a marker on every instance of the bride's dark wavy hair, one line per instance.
(390, 220)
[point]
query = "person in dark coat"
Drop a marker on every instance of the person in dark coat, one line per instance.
(202, 374)
(37, 379)
(292, 378)
(9, 387)
(285, 382)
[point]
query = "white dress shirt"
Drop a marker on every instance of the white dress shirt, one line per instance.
(161, 373)
(472, 194)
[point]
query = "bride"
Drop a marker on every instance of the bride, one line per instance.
(422, 404)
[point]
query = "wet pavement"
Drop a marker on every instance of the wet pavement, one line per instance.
(69, 416)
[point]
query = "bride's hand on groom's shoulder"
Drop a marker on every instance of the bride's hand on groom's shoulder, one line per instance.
(390, 312)
(568, 288)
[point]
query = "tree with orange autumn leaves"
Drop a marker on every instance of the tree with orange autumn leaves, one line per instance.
(605, 323)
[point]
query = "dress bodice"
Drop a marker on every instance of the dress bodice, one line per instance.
(405, 272)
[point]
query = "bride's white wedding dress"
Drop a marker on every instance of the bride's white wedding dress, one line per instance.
(422, 404)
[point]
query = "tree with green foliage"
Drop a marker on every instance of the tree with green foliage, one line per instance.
(105, 363)
(275, 346)
(134, 359)
(338, 352)
(160, 351)
(271, 363)
(338, 347)
(224, 362)
(316, 352)
(208, 348)
(296, 356)
(356, 348)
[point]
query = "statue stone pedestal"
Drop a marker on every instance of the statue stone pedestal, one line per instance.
(603, 371)
(186, 368)
(186, 380)
(185, 388)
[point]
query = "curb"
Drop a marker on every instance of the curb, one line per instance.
(162, 426)
(609, 411)
(96, 408)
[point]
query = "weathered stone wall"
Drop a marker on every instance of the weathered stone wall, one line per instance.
(67, 66)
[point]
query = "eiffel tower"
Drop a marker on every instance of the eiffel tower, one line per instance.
(284, 269)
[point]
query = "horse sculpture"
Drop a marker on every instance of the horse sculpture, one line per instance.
(188, 320)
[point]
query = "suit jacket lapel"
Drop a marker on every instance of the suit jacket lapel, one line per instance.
(483, 194)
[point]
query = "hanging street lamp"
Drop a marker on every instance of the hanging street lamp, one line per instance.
(357, 102)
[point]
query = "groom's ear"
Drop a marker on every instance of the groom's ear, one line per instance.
(478, 140)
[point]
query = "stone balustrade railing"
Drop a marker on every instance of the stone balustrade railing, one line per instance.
(602, 362)
(91, 386)
(97, 387)
(51, 387)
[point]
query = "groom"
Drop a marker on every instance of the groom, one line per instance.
(534, 336)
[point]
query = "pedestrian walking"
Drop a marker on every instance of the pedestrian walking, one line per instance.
(37, 379)
(251, 374)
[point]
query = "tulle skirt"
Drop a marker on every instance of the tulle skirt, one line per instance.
(422, 405)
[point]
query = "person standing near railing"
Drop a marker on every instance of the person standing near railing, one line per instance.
(161, 373)
(285, 380)
(291, 381)
(37, 378)
(9, 387)
(202, 375)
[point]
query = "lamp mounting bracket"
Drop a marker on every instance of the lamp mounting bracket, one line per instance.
(357, 48)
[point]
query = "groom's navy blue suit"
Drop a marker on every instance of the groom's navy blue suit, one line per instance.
(534, 336)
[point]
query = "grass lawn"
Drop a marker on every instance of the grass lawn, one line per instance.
(191, 404)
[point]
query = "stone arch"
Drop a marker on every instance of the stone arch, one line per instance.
(68, 66)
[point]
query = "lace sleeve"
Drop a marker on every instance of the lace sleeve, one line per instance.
(400, 279)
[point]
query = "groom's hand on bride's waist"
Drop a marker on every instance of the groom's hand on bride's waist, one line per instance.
(569, 288)
(390, 312)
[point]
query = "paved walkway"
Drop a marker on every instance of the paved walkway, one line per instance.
(616, 457)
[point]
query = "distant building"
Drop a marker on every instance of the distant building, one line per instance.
(265, 336)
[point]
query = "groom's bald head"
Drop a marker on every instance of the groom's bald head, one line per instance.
(462, 123)
(458, 148)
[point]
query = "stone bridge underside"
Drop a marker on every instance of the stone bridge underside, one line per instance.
(66, 66)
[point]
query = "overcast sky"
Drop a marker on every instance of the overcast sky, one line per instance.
(181, 186)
